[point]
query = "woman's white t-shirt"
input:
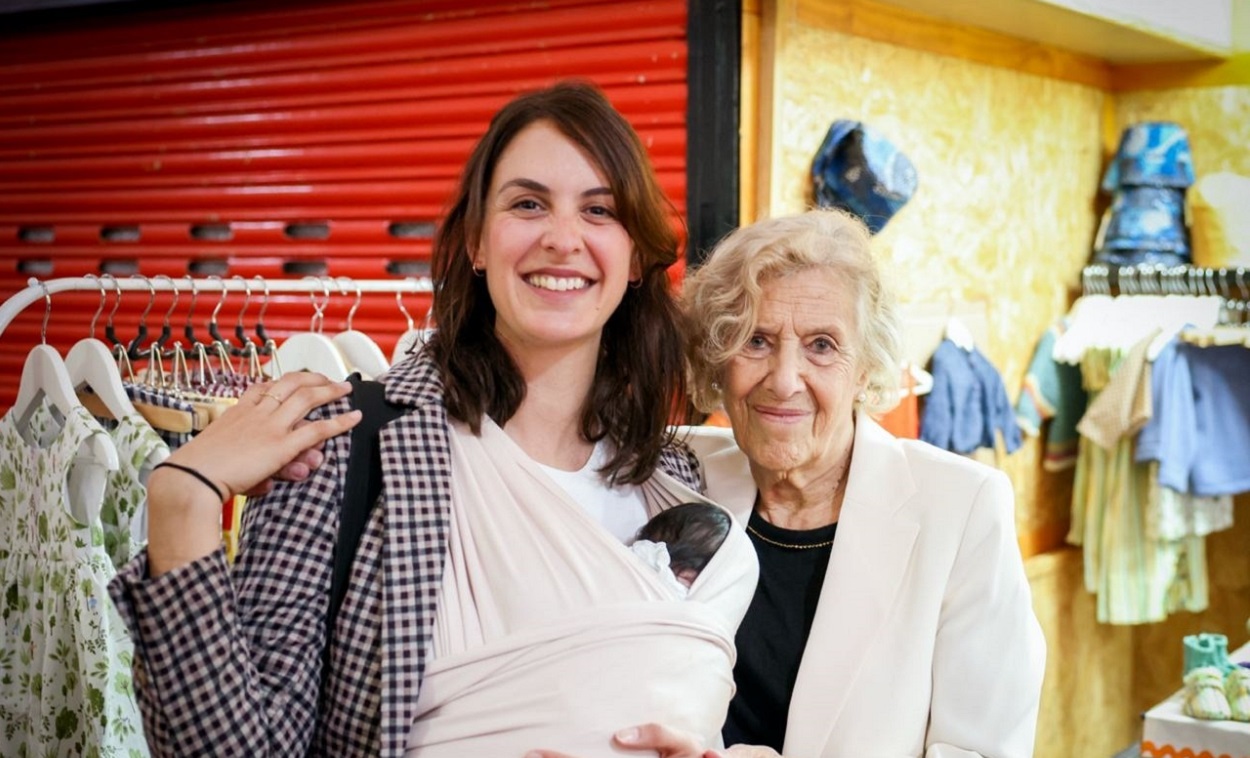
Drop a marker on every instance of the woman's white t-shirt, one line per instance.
(621, 510)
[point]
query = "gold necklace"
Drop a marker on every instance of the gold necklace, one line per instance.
(775, 543)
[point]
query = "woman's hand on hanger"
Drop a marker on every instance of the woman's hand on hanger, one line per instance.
(262, 438)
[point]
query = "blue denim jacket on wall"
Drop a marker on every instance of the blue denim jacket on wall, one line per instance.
(968, 403)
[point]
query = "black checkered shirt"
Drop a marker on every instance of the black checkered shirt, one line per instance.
(229, 661)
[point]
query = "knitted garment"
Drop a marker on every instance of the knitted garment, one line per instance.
(1204, 694)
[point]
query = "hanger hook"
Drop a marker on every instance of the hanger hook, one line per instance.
(173, 287)
(399, 300)
(143, 318)
(117, 286)
(100, 308)
(356, 305)
(319, 310)
(260, 318)
(220, 301)
(47, 312)
(188, 329)
(247, 299)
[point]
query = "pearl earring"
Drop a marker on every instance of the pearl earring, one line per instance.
(862, 397)
(715, 386)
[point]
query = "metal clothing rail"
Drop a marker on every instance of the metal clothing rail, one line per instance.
(37, 290)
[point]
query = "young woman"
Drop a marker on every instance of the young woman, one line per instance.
(548, 385)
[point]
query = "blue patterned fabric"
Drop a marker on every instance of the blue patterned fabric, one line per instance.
(860, 171)
(1147, 178)
(1151, 154)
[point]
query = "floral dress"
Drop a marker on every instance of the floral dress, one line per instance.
(123, 514)
(65, 657)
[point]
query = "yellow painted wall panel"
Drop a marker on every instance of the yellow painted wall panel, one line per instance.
(1008, 167)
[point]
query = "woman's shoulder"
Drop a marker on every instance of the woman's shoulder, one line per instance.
(678, 460)
(414, 381)
(940, 483)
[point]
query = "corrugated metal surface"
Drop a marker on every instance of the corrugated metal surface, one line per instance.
(253, 135)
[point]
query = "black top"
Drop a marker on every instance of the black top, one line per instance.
(772, 635)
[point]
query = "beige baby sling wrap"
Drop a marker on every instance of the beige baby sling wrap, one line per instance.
(552, 634)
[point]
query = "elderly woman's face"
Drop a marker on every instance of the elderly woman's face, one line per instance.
(790, 392)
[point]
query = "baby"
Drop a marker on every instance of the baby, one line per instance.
(680, 541)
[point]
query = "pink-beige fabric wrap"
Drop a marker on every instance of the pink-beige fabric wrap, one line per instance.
(552, 634)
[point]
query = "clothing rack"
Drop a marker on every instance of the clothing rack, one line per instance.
(37, 290)
(1154, 279)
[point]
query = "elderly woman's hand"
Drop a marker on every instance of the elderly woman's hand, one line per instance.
(660, 740)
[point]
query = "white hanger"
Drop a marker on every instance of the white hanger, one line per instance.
(922, 381)
(45, 377)
(90, 363)
(958, 333)
(308, 351)
(311, 350)
(358, 349)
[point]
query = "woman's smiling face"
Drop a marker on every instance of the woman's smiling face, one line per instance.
(790, 391)
(556, 257)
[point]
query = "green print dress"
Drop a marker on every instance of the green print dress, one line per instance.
(123, 514)
(65, 676)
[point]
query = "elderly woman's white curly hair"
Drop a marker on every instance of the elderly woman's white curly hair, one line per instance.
(722, 297)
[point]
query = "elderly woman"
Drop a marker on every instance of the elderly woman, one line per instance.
(892, 616)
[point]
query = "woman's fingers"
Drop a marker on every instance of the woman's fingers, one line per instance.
(299, 469)
(265, 434)
(667, 742)
(661, 740)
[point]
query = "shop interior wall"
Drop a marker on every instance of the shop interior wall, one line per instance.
(1217, 118)
(1009, 143)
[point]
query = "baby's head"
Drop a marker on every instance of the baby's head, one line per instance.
(692, 532)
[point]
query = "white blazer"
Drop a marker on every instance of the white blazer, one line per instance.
(924, 642)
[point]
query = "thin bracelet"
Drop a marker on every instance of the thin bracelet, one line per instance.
(187, 469)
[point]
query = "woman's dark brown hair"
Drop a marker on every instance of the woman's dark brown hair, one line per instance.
(640, 377)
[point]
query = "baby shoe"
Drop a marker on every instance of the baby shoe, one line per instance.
(1206, 649)
(1237, 691)
(1204, 694)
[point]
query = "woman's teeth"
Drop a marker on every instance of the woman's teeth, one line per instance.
(557, 283)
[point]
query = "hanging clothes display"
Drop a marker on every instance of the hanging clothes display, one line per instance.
(1053, 400)
(1142, 526)
(1201, 429)
(1137, 575)
(968, 404)
(75, 452)
(65, 681)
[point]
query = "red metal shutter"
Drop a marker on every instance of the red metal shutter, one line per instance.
(251, 136)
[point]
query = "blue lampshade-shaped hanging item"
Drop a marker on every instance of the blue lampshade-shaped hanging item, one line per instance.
(860, 171)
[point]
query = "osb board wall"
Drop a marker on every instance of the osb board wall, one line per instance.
(1089, 666)
(1008, 167)
(1009, 164)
